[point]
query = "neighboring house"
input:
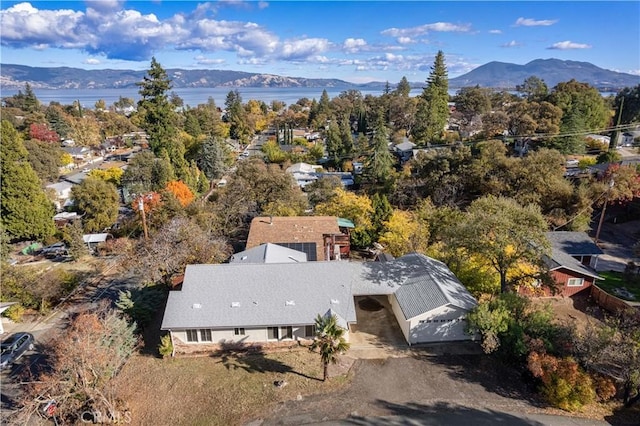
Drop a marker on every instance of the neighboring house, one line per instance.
(404, 150)
(630, 138)
(63, 219)
(79, 153)
(305, 174)
(92, 240)
(62, 194)
(268, 253)
(271, 303)
(573, 255)
(313, 235)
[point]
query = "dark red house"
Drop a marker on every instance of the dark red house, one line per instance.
(573, 257)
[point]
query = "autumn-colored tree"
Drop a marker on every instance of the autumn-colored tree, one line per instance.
(564, 384)
(112, 174)
(179, 242)
(403, 234)
(181, 191)
(42, 133)
(82, 362)
(346, 204)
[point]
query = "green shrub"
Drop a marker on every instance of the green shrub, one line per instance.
(166, 346)
(15, 312)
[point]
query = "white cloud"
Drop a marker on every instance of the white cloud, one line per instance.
(203, 60)
(634, 72)
(528, 22)
(568, 45)
(91, 61)
(303, 48)
(354, 45)
(405, 40)
(263, 5)
(512, 43)
(426, 28)
(495, 31)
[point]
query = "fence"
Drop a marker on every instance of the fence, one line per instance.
(607, 301)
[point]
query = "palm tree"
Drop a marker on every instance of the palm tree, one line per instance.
(329, 340)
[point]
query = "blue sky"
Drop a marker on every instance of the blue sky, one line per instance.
(357, 41)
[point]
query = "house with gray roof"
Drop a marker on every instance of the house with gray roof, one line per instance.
(571, 263)
(261, 303)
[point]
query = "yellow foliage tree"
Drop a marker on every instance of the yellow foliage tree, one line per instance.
(403, 234)
(348, 205)
(112, 174)
(181, 191)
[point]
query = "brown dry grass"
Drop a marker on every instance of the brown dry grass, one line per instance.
(221, 390)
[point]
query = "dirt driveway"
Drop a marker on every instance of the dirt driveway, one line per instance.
(396, 386)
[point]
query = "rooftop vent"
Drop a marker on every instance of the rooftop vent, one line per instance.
(196, 306)
(335, 302)
(243, 258)
(290, 303)
(235, 304)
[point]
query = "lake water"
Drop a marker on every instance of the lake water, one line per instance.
(190, 96)
(196, 96)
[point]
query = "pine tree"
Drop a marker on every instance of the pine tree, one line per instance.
(159, 117)
(26, 211)
(433, 107)
(379, 167)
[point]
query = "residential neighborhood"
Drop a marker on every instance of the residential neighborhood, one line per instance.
(278, 256)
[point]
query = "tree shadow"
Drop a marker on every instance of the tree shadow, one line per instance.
(490, 372)
(623, 416)
(252, 358)
(440, 413)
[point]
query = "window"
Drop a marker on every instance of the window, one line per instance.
(286, 332)
(192, 335)
(575, 282)
(205, 335)
(238, 331)
(309, 330)
(272, 333)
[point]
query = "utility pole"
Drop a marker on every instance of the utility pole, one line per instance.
(604, 209)
(144, 217)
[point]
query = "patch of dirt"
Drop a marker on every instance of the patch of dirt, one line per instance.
(578, 310)
(370, 305)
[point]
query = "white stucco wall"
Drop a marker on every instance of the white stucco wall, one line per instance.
(251, 335)
(446, 323)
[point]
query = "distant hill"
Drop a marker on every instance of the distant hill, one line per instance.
(15, 77)
(552, 71)
(494, 74)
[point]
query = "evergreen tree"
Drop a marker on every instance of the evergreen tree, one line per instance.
(236, 116)
(26, 211)
(346, 137)
(433, 109)
(379, 166)
(403, 88)
(382, 211)
(159, 118)
(31, 103)
(212, 159)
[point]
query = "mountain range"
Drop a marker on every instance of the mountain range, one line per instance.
(499, 75)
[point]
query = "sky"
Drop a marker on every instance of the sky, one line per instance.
(356, 41)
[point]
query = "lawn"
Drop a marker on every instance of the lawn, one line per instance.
(614, 280)
(219, 390)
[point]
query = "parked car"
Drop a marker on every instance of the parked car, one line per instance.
(14, 347)
(54, 250)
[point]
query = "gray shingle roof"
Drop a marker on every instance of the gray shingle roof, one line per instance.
(225, 296)
(246, 295)
(573, 243)
(269, 253)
